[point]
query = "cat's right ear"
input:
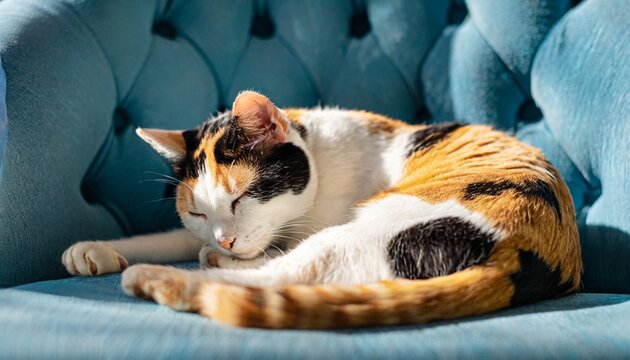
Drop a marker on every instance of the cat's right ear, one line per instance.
(168, 143)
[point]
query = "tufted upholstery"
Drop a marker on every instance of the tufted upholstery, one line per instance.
(3, 118)
(82, 74)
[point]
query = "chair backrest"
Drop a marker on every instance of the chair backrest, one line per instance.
(82, 74)
(3, 117)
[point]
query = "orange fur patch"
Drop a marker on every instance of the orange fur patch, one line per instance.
(381, 125)
(236, 178)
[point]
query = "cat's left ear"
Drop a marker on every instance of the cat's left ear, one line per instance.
(168, 143)
(263, 123)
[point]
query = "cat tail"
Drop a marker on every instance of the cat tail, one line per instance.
(473, 291)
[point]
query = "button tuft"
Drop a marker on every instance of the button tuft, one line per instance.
(457, 12)
(423, 115)
(529, 112)
(165, 29)
(262, 26)
(121, 120)
(360, 24)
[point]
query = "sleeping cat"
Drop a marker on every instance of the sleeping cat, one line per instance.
(331, 218)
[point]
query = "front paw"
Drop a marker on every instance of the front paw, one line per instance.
(165, 285)
(210, 258)
(92, 258)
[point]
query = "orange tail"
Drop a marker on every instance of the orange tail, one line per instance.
(474, 291)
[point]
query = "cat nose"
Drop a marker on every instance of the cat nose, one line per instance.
(226, 242)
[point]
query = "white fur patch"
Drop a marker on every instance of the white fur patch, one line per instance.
(399, 212)
(356, 252)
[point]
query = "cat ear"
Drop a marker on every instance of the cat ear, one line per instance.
(263, 123)
(168, 143)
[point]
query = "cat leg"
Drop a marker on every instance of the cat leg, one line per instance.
(102, 257)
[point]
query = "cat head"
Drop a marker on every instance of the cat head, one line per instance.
(242, 175)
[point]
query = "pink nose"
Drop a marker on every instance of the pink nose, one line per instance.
(226, 243)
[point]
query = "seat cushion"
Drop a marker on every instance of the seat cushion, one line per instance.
(91, 317)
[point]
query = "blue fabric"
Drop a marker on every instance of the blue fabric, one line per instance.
(3, 118)
(90, 318)
(587, 113)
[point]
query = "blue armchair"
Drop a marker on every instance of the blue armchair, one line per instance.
(77, 76)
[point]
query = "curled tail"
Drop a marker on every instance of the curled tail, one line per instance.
(474, 291)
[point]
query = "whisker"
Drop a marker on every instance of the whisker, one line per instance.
(316, 220)
(166, 181)
(290, 227)
(282, 252)
(296, 229)
(170, 177)
(300, 220)
(264, 252)
(285, 237)
(287, 232)
(162, 199)
(292, 224)
(303, 233)
(163, 175)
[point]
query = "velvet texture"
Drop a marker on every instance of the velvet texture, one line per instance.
(90, 318)
(3, 118)
(82, 74)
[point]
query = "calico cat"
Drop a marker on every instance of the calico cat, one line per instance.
(330, 218)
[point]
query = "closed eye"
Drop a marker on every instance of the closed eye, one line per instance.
(235, 202)
(200, 215)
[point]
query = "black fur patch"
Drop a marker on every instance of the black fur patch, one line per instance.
(530, 188)
(212, 126)
(284, 168)
(301, 129)
(425, 138)
(188, 167)
(536, 280)
(438, 247)
(229, 147)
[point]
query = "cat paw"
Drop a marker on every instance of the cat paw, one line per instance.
(210, 258)
(92, 258)
(165, 285)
